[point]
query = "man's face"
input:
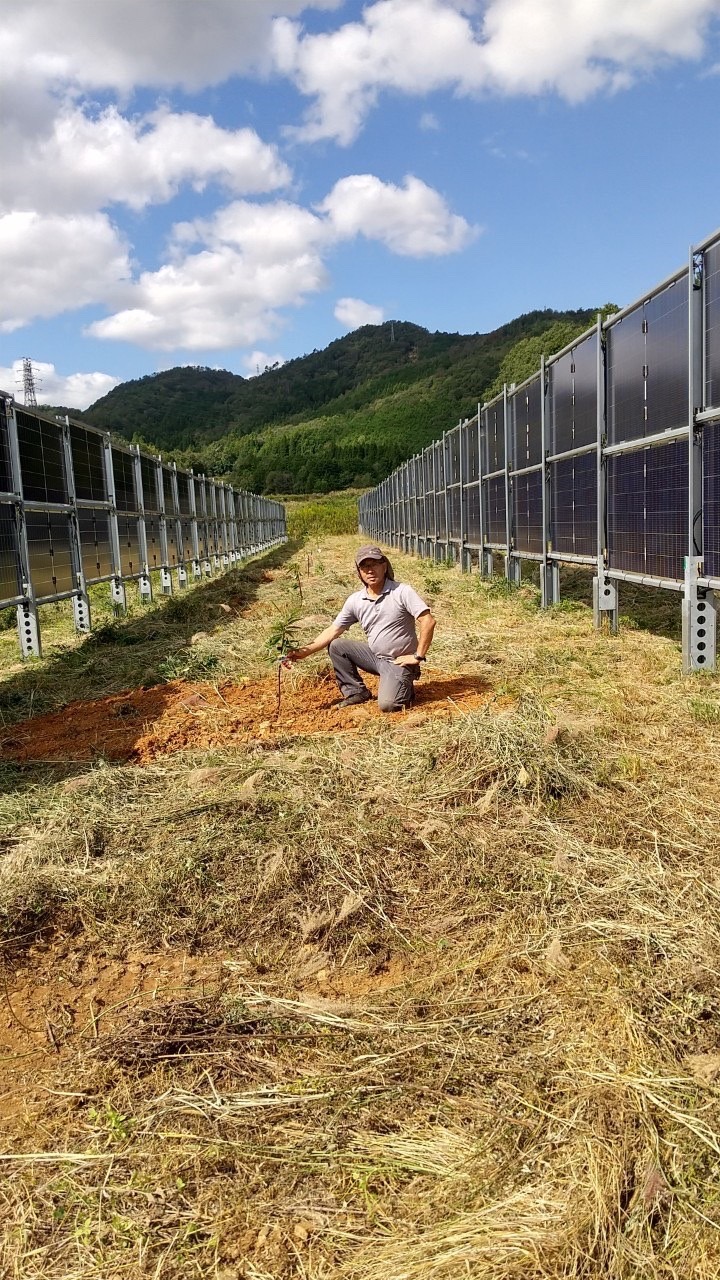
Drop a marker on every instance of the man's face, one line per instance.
(373, 573)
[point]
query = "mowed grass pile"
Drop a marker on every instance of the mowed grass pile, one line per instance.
(467, 1017)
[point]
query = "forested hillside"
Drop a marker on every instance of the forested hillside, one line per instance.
(342, 416)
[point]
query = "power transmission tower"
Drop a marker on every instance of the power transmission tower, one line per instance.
(29, 392)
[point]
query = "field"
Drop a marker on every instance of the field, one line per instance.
(294, 992)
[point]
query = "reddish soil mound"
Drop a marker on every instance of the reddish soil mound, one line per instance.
(147, 723)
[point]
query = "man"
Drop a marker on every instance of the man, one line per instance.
(388, 612)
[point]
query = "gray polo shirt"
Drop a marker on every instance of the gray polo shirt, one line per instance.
(389, 621)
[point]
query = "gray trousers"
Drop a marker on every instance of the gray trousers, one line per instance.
(350, 657)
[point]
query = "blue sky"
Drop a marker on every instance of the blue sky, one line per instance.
(233, 184)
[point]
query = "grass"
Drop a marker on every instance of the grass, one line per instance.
(457, 1009)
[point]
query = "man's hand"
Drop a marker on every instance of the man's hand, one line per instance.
(406, 660)
(295, 655)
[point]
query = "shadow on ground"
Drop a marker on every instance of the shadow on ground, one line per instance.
(644, 608)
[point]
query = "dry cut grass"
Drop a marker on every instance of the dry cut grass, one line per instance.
(464, 1015)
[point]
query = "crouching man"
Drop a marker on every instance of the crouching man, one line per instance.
(399, 628)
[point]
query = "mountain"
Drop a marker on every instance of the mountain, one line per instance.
(342, 416)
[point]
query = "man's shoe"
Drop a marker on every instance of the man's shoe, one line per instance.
(354, 699)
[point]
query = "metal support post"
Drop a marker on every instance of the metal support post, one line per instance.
(197, 571)
(465, 558)
(605, 590)
(513, 567)
(446, 493)
(549, 570)
(28, 625)
(80, 599)
(165, 574)
(117, 586)
(144, 581)
(182, 577)
(699, 607)
(482, 562)
(699, 623)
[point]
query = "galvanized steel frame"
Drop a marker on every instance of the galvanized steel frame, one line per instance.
(384, 517)
(235, 524)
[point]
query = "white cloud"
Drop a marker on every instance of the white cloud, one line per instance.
(256, 362)
(571, 47)
(216, 298)
(353, 312)
(76, 390)
(86, 163)
(412, 220)
(50, 264)
(229, 277)
(120, 44)
(429, 122)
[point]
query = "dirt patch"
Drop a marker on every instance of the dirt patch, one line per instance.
(146, 723)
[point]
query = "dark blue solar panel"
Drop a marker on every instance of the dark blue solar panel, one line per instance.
(712, 326)
(124, 476)
(494, 510)
(573, 506)
(94, 529)
(711, 500)
(9, 565)
(647, 511)
(472, 516)
(129, 545)
(152, 537)
(585, 378)
(527, 510)
(6, 484)
(472, 456)
(572, 397)
(454, 505)
(42, 460)
(560, 403)
(87, 450)
(666, 357)
(493, 437)
(524, 407)
(625, 363)
(51, 568)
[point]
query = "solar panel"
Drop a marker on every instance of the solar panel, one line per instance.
(42, 460)
(124, 475)
(525, 409)
(129, 545)
(573, 505)
(6, 483)
(666, 357)
(10, 584)
(51, 569)
(493, 436)
(528, 512)
(711, 500)
(626, 375)
(647, 511)
(94, 529)
(87, 450)
(472, 514)
(711, 283)
(148, 474)
(494, 510)
(472, 456)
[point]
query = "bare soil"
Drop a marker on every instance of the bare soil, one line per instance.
(143, 724)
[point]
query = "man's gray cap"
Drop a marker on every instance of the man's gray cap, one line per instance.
(369, 553)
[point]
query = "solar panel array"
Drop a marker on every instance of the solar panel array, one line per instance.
(609, 454)
(77, 508)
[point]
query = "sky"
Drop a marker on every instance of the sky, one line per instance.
(234, 183)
